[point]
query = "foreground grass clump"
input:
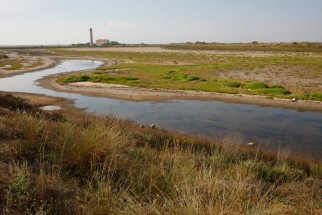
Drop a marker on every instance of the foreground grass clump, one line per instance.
(75, 163)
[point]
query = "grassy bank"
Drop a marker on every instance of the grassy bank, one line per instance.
(255, 75)
(166, 77)
(75, 163)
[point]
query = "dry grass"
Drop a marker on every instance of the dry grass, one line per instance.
(84, 164)
(254, 46)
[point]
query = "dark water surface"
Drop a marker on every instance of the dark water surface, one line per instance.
(300, 132)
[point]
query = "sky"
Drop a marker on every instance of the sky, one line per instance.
(60, 22)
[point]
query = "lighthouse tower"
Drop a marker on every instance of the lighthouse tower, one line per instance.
(91, 34)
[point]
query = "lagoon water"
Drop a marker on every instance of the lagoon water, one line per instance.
(274, 128)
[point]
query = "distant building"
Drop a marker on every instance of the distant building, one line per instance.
(102, 42)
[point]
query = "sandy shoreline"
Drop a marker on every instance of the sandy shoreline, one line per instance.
(123, 92)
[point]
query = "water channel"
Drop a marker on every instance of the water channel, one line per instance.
(273, 127)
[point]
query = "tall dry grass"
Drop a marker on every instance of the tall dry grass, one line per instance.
(83, 164)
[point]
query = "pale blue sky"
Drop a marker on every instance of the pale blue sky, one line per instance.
(159, 21)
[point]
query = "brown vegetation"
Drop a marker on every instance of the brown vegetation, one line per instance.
(254, 46)
(74, 163)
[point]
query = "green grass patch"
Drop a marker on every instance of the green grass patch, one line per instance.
(264, 89)
(13, 65)
(316, 96)
(280, 173)
(233, 84)
(277, 86)
(97, 78)
(176, 76)
(255, 85)
(173, 77)
(273, 92)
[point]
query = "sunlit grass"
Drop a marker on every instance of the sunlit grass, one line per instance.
(84, 164)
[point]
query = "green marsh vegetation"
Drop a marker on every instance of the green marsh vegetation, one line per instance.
(11, 64)
(205, 72)
(5, 61)
(75, 163)
(8, 63)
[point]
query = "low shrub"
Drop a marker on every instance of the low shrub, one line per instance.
(280, 173)
(20, 184)
(277, 86)
(255, 85)
(233, 84)
(273, 91)
(192, 78)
